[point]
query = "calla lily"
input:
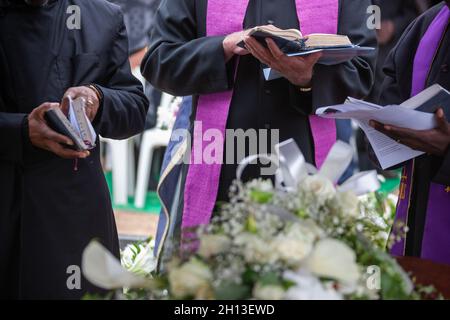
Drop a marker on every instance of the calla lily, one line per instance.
(104, 270)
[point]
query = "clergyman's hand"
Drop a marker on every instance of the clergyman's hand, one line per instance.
(298, 70)
(88, 94)
(41, 136)
(434, 142)
(230, 45)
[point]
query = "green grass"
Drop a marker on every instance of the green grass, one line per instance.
(391, 185)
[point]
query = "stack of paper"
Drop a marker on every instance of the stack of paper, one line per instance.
(388, 151)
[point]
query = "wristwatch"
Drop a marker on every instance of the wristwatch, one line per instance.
(305, 89)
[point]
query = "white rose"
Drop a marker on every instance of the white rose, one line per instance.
(270, 292)
(294, 245)
(190, 279)
(334, 259)
(211, 245)
(139, 259)
(348, 203)
(308, 287)
(322, 188)
(255, 249)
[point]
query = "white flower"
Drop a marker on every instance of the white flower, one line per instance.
(322, 188)
(334, 259)
(308, 287)
(313, 228)
(294, 245)
(211, 245)
(269, 292)
(139, 258)
(348, 203)
(190, 280)
(255, 249)
(103, 269)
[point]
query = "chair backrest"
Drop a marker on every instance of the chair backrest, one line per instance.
(166, 100)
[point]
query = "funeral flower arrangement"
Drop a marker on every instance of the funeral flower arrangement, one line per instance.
(312, 240)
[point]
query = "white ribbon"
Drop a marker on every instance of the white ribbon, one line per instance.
(337, 161)
(293, 169)
(361, 183)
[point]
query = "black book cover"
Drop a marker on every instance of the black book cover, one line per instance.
(440, 100)
(285, 45)
(58, 122)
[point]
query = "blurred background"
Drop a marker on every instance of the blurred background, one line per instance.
(132, 167)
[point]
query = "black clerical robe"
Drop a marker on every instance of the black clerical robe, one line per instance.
(396, 89)
(49, 212)
(183, 61)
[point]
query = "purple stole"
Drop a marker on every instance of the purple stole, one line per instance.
(436, 236)
(202, 182)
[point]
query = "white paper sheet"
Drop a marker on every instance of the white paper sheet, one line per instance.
(388, 151)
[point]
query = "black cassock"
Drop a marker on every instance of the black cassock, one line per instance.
(48, 211)
(182, 61)
(396, 89)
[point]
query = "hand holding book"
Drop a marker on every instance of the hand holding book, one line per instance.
(90, 96)
(335, 49)
(435, 141)
(230, 45)
(298, 70)
(76, 125)
(399, 133)
(43, 137)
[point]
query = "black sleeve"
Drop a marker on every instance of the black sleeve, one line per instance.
(396, 85)
(178, 61)
(124, 108)
(333, 84)
(443, 174)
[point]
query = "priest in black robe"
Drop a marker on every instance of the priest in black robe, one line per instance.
(183, 61)
(424, 204)
(52, 203)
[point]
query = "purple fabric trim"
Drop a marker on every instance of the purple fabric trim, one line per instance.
(403, 206)
(436, 238)
(324, 136)
(427, 49)
(202, 182)
(436, 235)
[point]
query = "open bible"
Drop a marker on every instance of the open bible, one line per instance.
(335, 49)
(75, 125)
(416, 113)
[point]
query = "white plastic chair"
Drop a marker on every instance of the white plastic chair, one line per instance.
(151, 140)
(122, 165)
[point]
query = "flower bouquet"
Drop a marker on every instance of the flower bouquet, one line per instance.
(302, 239)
